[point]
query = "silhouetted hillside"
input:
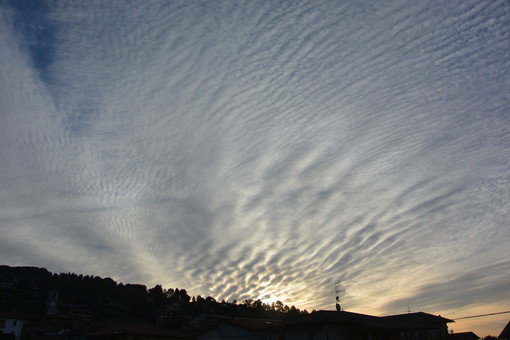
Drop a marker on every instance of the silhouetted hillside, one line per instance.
(36, 291)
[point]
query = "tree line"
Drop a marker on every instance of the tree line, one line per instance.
(27, 290)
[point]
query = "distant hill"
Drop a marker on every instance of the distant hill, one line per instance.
(36, 291)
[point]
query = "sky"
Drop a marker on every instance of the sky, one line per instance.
(264, 149)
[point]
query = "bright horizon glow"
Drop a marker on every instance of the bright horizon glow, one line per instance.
(272, 300)
(252, 149)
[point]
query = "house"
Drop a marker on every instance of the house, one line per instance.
(505, 333)
(135, 332)
(328, 325)
(418, 326)
(48, 327)
(11, 324)
(463, 336)
(239, 329)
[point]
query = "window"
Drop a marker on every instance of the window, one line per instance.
(2, 323)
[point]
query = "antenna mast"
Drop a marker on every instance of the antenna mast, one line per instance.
(339, 291)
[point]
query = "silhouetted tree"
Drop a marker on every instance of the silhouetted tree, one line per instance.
(104, 299)
(157, 297)
(184, 297)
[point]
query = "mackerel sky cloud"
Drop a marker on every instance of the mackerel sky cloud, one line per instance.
(263, 149)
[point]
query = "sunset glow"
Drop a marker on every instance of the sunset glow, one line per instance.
(264, 149)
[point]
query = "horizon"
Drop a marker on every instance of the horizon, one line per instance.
(234, 300)
(263, 149)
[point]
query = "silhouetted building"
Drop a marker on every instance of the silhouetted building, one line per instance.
(328, 325)
(239, 329)
(463, 336)
(49, 327)
(505, 333)
(135, 332)
(11, 324)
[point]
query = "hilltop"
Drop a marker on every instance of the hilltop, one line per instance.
(37, 291)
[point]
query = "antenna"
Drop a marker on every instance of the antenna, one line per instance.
(339, 291)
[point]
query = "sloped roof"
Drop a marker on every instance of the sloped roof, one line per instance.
(415, 320)
(250, 323)
(136, 329)
(212, 322)
(505, 333)
(4, 315)
(463, 336)
(411, 320)
(335, 317)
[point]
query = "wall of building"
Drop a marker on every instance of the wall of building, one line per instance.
(11, 326)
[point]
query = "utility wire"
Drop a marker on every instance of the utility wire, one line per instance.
(480, 315)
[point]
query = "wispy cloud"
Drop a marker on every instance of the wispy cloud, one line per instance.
(261, 149)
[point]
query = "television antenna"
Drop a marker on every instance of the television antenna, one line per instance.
(339, 292)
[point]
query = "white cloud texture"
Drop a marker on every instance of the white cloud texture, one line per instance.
(262, 149)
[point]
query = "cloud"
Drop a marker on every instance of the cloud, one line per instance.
(259, 149)
(483, 285)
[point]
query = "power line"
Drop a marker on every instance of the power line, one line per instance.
(480, 315)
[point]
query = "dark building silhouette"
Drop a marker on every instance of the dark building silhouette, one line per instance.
(463, 336)
(505, 333)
